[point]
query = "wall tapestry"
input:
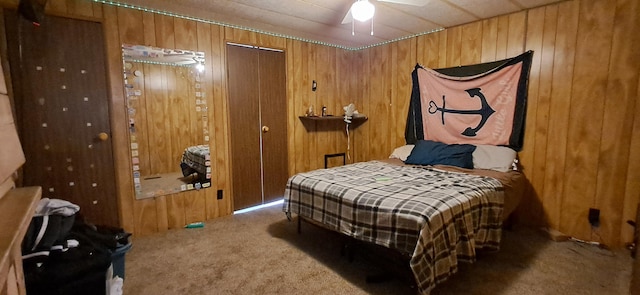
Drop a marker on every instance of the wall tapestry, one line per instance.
(476, 104)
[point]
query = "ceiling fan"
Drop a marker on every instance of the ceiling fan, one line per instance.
(363, 10)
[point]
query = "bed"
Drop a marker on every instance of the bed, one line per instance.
(445, 194)
(196, 160)
(436, 215)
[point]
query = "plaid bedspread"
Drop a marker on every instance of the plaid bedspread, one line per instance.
(195, 159)
(436, 217)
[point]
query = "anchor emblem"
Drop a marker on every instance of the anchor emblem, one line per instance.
(485, 111)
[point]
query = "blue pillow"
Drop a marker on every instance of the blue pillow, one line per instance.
(427, 152)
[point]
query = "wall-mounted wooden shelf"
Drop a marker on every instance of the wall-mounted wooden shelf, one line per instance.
(310, 122)
(333, 118)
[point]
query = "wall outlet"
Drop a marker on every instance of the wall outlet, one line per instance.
(219, 194)
(594, 217)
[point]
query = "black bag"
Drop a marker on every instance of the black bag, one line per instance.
(52, 267)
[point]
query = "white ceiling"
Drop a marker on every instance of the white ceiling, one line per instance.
(321, 20)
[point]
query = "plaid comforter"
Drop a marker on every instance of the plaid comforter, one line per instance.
(436, 217)
(195, 159)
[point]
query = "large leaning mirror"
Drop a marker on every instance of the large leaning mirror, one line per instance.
(168, 121)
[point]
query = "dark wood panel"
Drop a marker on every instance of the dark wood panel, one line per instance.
(244, 120)
(273, 113)
(64, 102)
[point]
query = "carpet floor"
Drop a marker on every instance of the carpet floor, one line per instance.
(261, 253)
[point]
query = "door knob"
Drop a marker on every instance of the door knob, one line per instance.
(103, 136)
(265, 129)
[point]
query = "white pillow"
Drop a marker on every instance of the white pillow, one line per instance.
(402, 152)
(493, 157)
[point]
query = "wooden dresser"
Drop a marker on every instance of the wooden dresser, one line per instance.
(17, 205)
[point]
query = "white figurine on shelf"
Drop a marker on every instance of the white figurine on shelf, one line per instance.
(348, 112)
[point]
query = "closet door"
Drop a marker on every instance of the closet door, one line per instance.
(244, 119)
(257, 105)
(273, 111)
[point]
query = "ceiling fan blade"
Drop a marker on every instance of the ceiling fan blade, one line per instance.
(348, 18)
(408, 2)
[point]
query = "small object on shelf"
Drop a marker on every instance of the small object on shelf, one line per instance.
(310, 112)
(324, 111)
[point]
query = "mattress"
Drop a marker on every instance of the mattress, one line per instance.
(435, 215)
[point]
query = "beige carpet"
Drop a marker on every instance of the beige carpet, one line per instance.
(261, 253)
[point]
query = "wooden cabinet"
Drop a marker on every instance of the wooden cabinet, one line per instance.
(258, 124)
(16, 208)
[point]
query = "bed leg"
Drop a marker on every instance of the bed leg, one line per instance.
(299, 224)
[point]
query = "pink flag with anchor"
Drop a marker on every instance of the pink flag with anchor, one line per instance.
(484, 105)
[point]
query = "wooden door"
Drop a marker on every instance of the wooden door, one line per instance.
(273, 116)
(257, 105)
(244, 120)
(60, 86)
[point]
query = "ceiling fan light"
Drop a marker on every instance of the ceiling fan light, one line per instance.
(362, 10)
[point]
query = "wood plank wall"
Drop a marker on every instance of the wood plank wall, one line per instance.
(329, 66)
(582, 131)
(582, 119)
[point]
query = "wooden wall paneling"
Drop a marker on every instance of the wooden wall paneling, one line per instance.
(527, 211)
(503, 37)
(131, 31)
(619, 111)
(240, 36)
(80, 8)
(561, 96)
(489, 39)
(380, 97)
(517, 32)
(454, 46)
(363, 92)
(218, 100)
(343, 93)
(632, 186)
(323, 97)
(97, 10)
(335, 99)
(56, 7)
(404, 60)
(309, 54)
(148, 36)
(186, 39)
(295, 130)
(586, 115)
(471, 46)
(298, 105)
(119, 131)
(431, 58)
(270, 41)
(119, 124)
(165, 33)
(536, 175)
(203, 37)
(360, 142)
(442, 49)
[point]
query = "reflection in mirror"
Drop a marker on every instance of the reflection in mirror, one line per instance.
(168, 121)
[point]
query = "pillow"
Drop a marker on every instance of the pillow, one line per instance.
(427, 152)
(402, 152)
(493, 157)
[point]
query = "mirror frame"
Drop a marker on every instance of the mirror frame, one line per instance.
(166, 57)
